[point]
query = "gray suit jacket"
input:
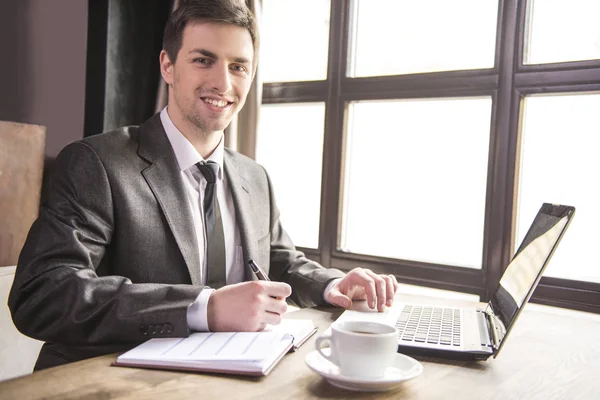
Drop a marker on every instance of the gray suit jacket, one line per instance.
(112, 259)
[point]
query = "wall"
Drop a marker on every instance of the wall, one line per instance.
(42, 71)
(42, 81)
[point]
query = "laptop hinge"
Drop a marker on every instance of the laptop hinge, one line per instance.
(495, 327)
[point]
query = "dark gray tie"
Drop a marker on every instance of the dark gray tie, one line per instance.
(213, 227)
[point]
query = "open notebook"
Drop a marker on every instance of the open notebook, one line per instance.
(243, 353)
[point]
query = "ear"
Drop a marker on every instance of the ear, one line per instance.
(166, 67)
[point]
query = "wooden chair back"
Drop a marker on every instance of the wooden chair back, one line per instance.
(21, 171)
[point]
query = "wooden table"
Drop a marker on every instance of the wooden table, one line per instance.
(550, 354)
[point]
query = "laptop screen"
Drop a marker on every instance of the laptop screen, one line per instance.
(525, 270)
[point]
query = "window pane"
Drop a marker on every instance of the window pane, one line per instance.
(290, 146)
(294, 40)
(415, 179)
(560, 164)
(563, 30)
(395, 37)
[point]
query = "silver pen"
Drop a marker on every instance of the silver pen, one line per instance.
(257, 271)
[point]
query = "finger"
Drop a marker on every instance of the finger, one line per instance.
(395, 282)
(381, 289)
(275, 306)
(391, 290)
(279, 290)
(271, 318)
(359, 277)
(337, 298)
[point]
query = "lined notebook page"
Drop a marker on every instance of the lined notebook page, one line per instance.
(211, 346)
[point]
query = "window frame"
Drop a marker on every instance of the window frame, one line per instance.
(507, 83)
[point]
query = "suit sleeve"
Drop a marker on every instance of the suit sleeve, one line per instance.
(57, 294)
(307, 278)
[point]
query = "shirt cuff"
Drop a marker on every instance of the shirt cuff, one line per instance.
(328, 289)
(197, 317)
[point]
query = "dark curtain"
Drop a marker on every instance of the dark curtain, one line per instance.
(122, 73)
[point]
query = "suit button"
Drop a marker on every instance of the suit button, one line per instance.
(144, 330)
(161, 329)
(168, 328)
(152, 329)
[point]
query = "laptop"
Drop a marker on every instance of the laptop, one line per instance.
(475, 333)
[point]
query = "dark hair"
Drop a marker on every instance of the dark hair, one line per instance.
(232, 12)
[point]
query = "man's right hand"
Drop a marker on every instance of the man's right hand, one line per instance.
(247, 306)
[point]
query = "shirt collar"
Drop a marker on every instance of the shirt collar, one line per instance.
(186, 154)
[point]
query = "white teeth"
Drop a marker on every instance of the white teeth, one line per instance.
(217, 103)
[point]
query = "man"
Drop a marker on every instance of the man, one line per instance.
(124, 247)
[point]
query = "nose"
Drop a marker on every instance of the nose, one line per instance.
(220, 78)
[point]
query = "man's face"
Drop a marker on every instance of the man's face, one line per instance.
(211, 77)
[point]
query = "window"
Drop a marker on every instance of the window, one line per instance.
(561, 31)
(399, 148)
(294, 53)
(292, 153)
(394, 37)
(560, 139)
(444, 127)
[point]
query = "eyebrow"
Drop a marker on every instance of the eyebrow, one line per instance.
(208, 53)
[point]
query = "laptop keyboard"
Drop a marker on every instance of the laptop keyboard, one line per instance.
(434, 325)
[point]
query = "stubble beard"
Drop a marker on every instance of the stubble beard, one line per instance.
(195, 122)
(192, 117)
(199, 127)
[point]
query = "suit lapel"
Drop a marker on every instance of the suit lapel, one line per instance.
(243, 210)
(164, 178)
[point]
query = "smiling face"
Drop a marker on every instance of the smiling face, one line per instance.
(211, 77)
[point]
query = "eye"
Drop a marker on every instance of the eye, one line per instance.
(202, 61)
(239, 68)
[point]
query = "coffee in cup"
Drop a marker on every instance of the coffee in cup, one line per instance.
(360, 348)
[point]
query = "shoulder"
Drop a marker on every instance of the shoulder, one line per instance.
(99, 154)
(116, 140)
(244, 163)
(251, 171)
(239, 158)
(104, 145)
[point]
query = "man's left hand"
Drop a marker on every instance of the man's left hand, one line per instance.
(364, 284)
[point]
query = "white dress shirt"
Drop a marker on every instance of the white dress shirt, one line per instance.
(195, 183)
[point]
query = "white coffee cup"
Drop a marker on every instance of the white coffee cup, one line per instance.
(360, 348)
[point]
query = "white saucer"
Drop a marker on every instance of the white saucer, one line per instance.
(403, 369)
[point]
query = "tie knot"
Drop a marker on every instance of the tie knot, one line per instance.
(209, 170)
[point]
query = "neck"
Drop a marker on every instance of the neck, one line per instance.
(203, 141)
